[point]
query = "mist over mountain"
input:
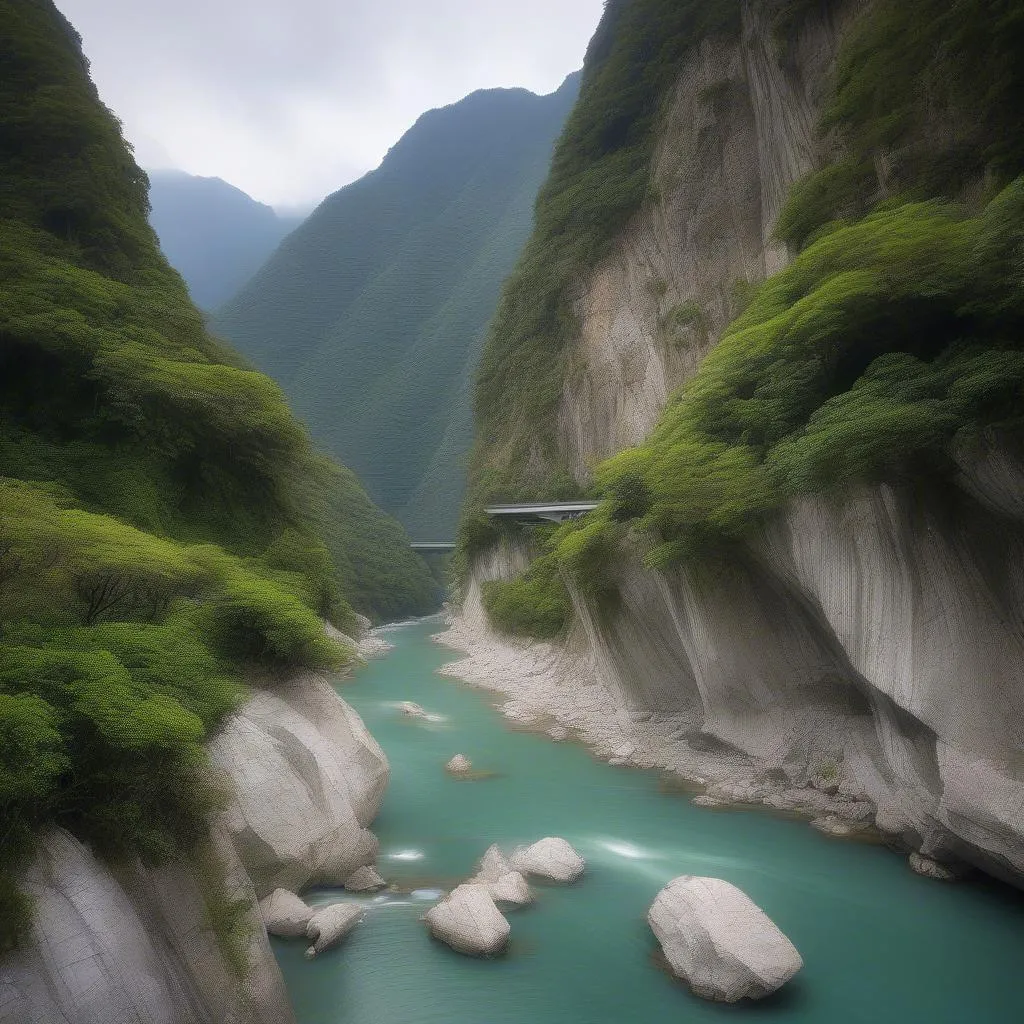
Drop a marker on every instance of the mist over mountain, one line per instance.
(215, 235)
(371, 315)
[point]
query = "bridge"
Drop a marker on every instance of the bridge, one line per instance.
(534, 514)
(546, 512)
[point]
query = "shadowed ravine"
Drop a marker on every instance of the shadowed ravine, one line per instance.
(879, 942)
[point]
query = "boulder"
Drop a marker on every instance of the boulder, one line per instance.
(366, 879)
(411, 708)
(719, 941)
(329, 925)
(931, 869)
(549, 858)
(469, 921)
(493, 864)
(511, 890)
(284, 914)
(558, 733)
(459, 765)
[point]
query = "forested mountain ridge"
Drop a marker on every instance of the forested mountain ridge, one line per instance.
(212, 233)
(771, 316)
(371, 314)
(166, 526)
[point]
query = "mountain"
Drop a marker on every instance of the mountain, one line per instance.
(212, 233)
(168, 534)
(771, 318)
(372, 313)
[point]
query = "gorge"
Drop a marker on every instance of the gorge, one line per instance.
(768, 322)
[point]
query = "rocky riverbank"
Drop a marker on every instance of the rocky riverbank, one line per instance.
(553, 689)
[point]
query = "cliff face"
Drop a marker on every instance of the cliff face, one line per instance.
(859, 654)
(137, 945)
(738, 132)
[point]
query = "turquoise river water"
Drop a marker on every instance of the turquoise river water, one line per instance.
(879, 943)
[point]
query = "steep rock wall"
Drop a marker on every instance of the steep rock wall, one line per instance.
(861, 658)
(134, 946)
(738, 132)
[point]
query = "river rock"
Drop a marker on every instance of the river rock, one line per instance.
(549, 858)
(511, 890)
(411, 708)
(469, 921)
(492, 865)
(284, 914)
(329, 925)
(366, 879)
(558, 733)
(930, 868)
(459, 765)
(719, 941)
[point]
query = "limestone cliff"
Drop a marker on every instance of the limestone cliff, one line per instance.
(137, 944)
(857, 656)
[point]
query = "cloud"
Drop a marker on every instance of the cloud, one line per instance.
(291, 99)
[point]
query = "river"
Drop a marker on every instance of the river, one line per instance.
(880, 944)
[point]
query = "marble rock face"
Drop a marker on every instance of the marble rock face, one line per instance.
(284, 914)
(719, 941)
(469, 921)
(134, 945)
(329, 925)
(550, 858)
(365, 879)
(308, 779)
(459, 765)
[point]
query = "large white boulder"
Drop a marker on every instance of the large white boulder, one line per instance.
(329, 925)
(136, 946)
(468, 920)
(550, 858)
(719, 941)
(308, 779)
(284, 914)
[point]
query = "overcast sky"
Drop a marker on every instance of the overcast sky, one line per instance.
(291, 99)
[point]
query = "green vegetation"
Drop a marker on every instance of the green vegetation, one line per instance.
(927, 101)
(371, 315)
(893, 337)
(600, 177)
(534, 604)
(163, 517)
(885, 341)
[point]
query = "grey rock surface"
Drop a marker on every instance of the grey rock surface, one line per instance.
(329, 925)
(365, 879)
(550, 858)
(307, 779)
(719, 941)
(469, 921)
(285, 914)
(510, 890)
(135, 947)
